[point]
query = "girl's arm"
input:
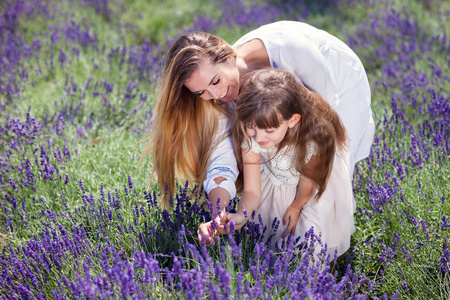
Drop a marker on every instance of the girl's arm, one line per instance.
(251, 196)
(250, 200)
(305, 190)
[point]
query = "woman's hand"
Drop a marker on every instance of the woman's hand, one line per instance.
(207, 234)
(291, 217)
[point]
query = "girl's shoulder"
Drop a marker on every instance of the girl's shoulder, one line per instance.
(311, 149)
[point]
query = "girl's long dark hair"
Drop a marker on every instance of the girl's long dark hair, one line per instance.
(270, 96)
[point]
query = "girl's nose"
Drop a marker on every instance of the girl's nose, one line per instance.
(259, 137)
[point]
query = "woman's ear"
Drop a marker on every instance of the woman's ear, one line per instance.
(231, 59)
(294, 120)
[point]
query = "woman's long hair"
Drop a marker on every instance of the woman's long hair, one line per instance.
(184, 126)
(270, 96)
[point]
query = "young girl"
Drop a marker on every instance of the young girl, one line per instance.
(300, 141)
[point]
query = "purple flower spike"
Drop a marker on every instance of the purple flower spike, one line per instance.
(12, 184)
(130, 183)
(62, 58)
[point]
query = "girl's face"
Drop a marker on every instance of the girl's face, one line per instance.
(270, 137)
(215, 81)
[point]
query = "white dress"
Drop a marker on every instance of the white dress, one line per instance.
(326, 65)
(331, 215)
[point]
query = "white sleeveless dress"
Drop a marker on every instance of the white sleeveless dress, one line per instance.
(331, 215)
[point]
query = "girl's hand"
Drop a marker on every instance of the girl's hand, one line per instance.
(238, 219)
(291, 217)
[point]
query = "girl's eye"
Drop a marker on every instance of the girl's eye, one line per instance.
(270, 131)
(216, 82)
(199, 94)
(249, 126)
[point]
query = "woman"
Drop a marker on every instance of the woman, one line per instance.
(201, 67)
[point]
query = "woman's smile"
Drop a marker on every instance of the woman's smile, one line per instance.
(224, 94)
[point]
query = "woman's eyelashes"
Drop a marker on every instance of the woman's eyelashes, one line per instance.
(201, 93)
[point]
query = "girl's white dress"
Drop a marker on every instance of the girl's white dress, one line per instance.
(331, 215)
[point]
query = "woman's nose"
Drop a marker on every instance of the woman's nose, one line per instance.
(206, 96)
(209, 95)
(214, 92)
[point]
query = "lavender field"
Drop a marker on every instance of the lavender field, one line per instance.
(78, 80)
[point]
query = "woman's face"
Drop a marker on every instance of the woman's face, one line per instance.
(215, 81)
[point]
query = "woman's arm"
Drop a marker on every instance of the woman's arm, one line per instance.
(222, 170)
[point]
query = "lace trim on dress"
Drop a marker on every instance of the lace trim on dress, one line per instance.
(280, 167)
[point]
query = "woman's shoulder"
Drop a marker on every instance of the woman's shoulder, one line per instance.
(257, 47)
(265, 33)
(278, 39)
(278, 29)
(254, 54)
